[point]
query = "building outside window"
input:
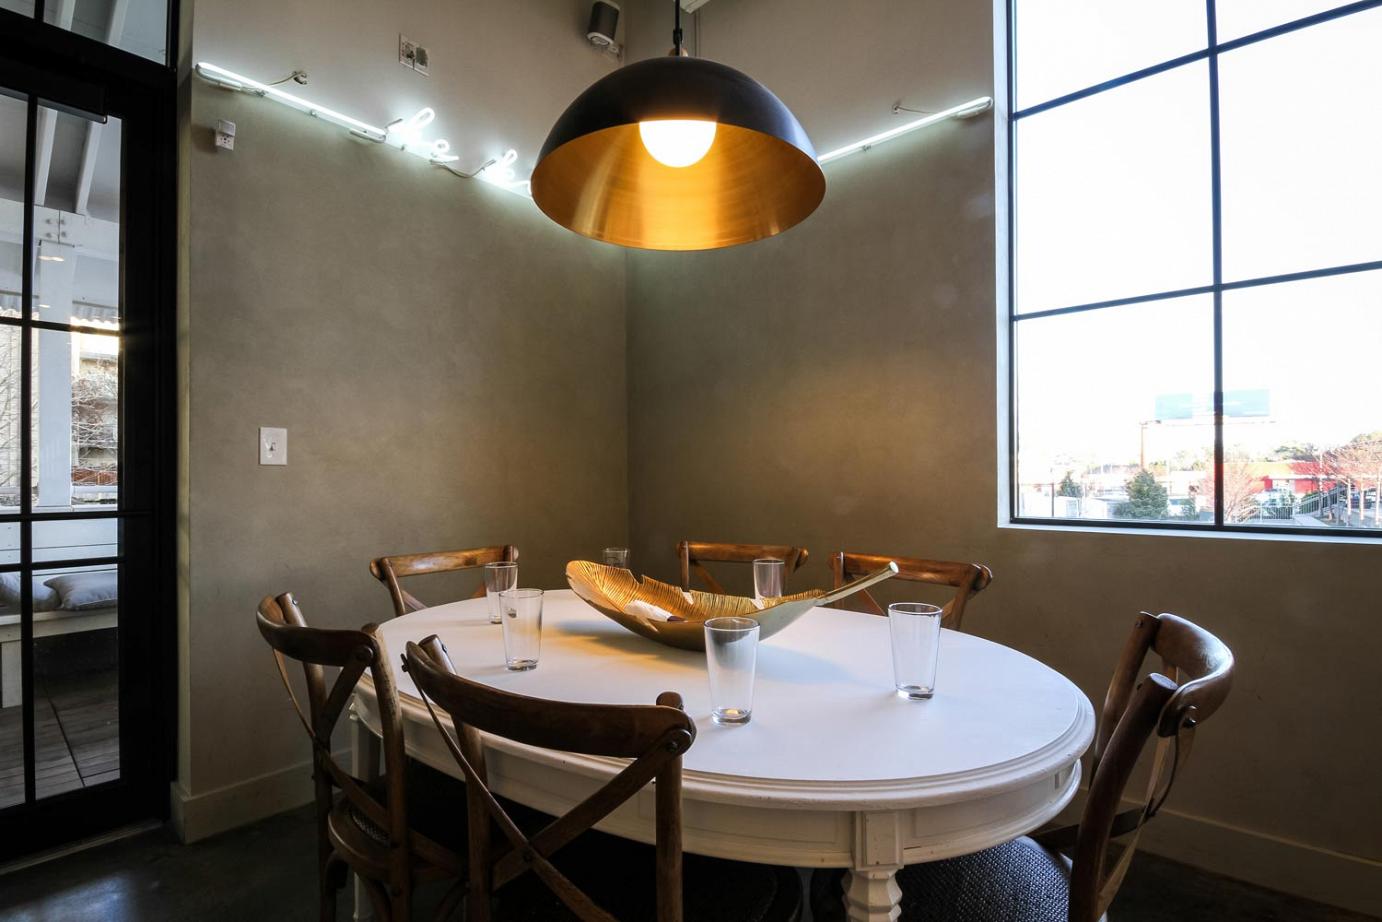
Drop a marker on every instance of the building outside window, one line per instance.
(1196, 290)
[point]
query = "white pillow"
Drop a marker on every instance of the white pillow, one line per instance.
(45, 599)
(85, 591)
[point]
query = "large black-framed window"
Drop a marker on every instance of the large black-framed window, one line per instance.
(1195, 265)
(87, 422)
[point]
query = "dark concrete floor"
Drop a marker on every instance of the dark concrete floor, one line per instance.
(265, 873)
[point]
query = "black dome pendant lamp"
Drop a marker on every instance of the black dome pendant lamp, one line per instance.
(677, 153)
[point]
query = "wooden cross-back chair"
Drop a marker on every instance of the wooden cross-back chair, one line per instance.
(389, 570)
(366, 828)
(1168, 706)
(1195, 679)
(967, 579)
(654, 737)
(693, 555)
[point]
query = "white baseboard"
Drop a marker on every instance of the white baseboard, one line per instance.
(1268, 861)
(197, 816)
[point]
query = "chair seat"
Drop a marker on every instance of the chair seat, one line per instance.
(1016, 882)
(619, 876)
(436, 813)
(436, 817)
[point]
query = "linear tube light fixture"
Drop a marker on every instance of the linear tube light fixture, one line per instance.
(233, 81)
(403, 133)
(963, 110)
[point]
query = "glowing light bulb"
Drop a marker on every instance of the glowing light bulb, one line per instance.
(677, 142)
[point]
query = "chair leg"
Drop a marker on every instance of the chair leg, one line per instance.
(450, 903)
(378, 899)
(826, 902)
(325, 853)
(327, 901)
(332, 878)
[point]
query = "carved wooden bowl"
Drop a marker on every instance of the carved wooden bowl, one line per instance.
(669, 615)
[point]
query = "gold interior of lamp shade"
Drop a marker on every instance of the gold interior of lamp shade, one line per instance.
(607, 186)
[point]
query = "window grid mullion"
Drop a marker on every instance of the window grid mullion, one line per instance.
(1014, 488)
(1300, 276)
(1217, 242)
(26, 541)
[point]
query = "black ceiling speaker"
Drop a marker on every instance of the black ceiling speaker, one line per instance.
(604, 19)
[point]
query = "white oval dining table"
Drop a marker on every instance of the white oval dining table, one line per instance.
(834, 769)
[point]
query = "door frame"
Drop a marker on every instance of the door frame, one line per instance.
(64, 70)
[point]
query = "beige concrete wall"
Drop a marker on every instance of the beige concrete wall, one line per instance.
(836, 387)
(449, 365)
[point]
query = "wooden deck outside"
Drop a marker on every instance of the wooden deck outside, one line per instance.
(76, 734)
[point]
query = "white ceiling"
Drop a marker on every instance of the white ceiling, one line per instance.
(69, 176)
(77, 162)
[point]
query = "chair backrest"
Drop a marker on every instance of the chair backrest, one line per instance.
(966, 579)
(654, 736)
(694, 554)
(282, 624)
(1196, 674)
(389, 570)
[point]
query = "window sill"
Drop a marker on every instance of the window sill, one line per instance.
(1232, 534)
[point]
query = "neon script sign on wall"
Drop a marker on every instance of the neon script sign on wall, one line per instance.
(405, 133)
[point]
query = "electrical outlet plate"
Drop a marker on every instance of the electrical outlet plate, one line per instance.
(273, 445)
(412, 55)
(225, 135)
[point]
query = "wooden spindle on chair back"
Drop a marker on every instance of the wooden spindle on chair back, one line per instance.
(693, 555)
(967, 579)
(655, 737)
(389, 570)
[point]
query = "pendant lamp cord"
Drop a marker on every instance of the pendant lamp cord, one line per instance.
(676, 28)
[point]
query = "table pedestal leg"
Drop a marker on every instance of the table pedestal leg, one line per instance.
(873, 895)
(364, 763)
(871, 890)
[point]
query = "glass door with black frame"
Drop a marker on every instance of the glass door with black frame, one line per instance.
(78, 619)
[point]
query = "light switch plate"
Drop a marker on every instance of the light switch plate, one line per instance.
(273, 445)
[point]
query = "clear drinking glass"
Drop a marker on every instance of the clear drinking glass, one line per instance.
(617, 557)
(499, 576)
(916, 634)
(522, 627)
(769, 575)
(731, 656)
